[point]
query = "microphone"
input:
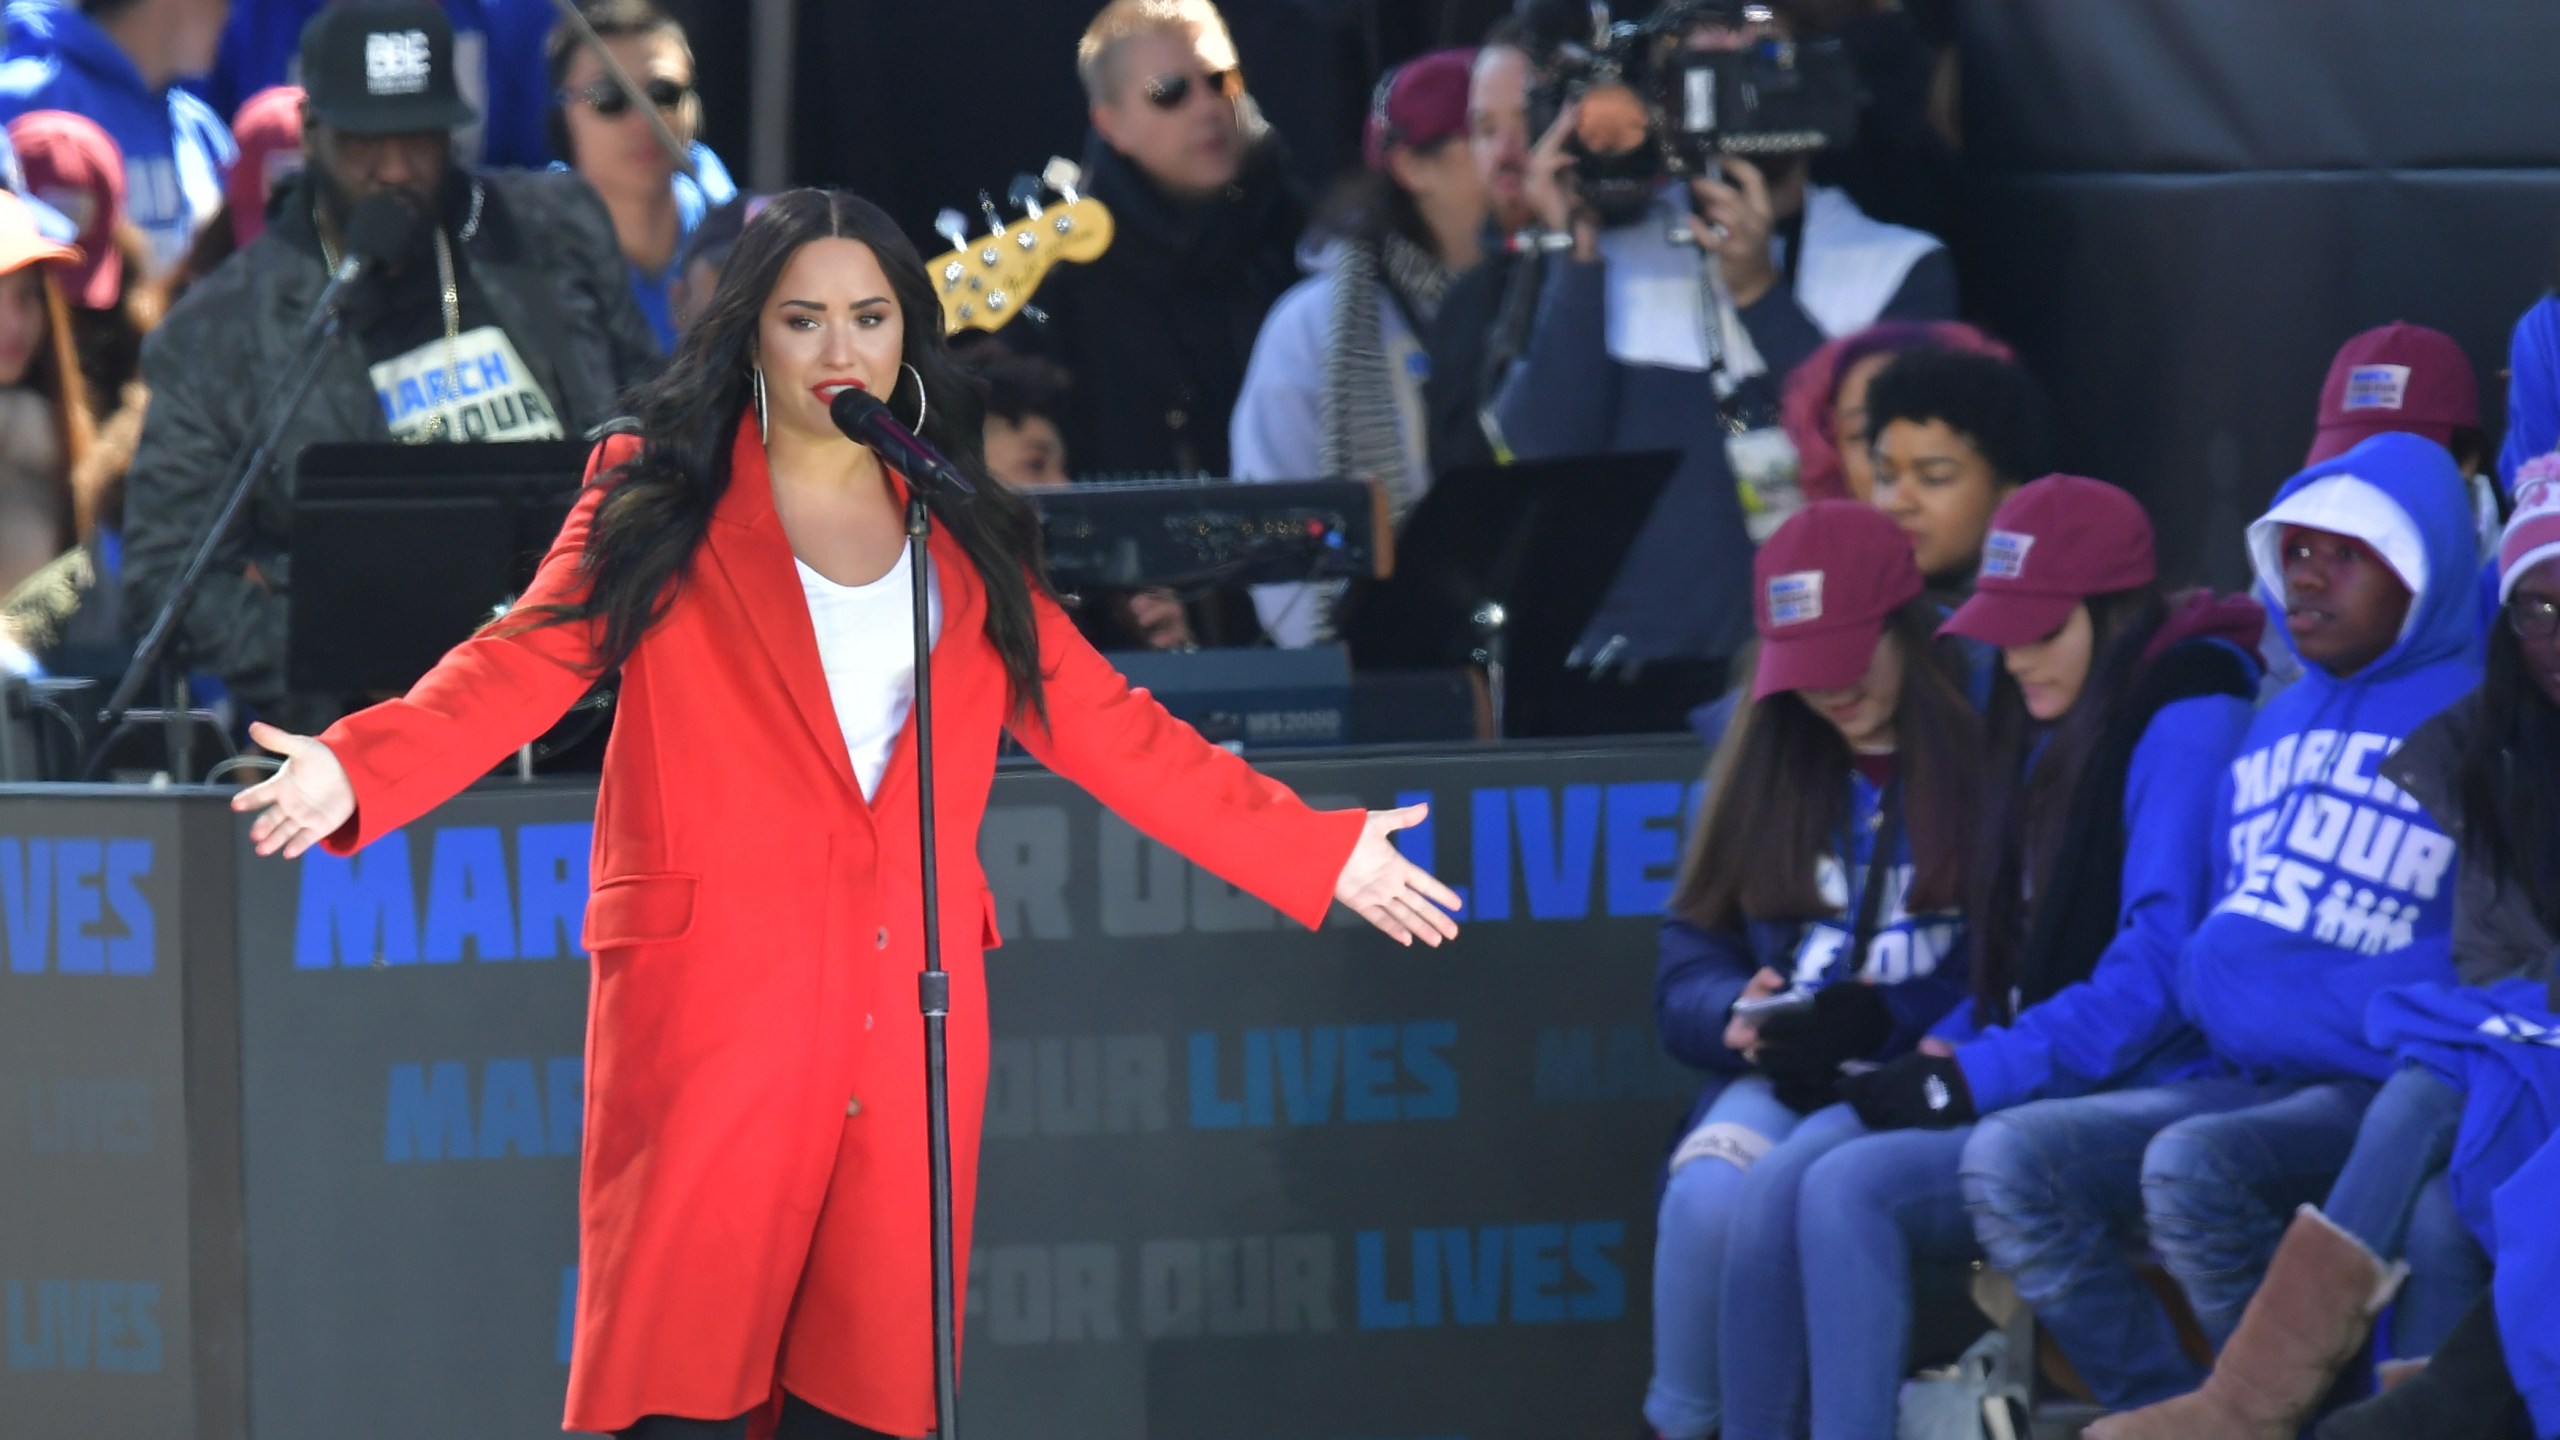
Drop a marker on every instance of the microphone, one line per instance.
(863, 418)
(378, 231)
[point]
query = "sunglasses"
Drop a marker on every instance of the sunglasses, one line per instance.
(609, 100)
(1167, 92)
(2533, 616)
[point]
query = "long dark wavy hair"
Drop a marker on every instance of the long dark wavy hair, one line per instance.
(2509, 781)
(2025, 812)
(1779, 793)
(659, 503)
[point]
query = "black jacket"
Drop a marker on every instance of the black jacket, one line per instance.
(546, 264)
(1156, 333)
(2496, 934)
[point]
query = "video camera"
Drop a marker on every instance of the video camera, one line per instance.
(1670, 95)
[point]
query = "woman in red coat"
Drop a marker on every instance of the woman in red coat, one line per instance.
(753, 1237)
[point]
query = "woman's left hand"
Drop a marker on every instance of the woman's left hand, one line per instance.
(1392, 892)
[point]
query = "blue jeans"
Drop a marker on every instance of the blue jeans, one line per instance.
(2394, 1197)
(1691, 1251)
(1765, 1329)
(1868, 1210)
(2218, 1190)
(2054, 1190)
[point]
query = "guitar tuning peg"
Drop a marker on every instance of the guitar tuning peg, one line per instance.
(1035, 314)
(1025, 193)
(1064, 176)
(951, 227)
(987, 203)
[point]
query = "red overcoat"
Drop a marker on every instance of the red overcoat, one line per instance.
(752, 1196)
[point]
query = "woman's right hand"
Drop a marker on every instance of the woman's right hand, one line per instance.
(1741, 1036)
(300, 805)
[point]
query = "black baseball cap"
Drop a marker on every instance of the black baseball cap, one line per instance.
(382, 67)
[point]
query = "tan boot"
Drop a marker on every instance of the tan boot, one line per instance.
(2306, 1323)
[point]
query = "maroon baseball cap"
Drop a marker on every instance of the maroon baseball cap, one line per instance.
(2400, 377)
(1421, 102)
(2052, 545)
(1820, 591)
(75, 167)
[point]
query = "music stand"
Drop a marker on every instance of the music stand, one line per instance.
(1541, 539)
(400, 552)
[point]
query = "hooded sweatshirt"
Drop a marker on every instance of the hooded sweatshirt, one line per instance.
(2336, 884)
(176, 149)
(1916, 962)
(2528, 1275)
(2122, 1024)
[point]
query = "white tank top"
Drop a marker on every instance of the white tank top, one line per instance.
(866, 644)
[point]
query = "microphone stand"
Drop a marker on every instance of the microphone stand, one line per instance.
(320, 348)
(933, 987)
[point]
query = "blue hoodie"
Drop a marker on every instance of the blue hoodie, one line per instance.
(497, 53)
(2528, 1276)
(2500, 1046)
(2335, 884)
(2122, 1025)
(1916, 962)
(2533, 389)
(176, 149)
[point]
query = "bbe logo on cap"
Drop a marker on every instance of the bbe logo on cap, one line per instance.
(2376, 387)
(2004, 555)
(396, 63)
(1795, 599)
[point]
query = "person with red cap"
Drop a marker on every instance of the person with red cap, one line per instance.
(1369, 367)
(1815, 922)
(269, 129)
(2417, 381)
(44, 422)
(2109, 724)
(74, 166)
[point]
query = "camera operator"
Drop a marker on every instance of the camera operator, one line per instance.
(1669, 324)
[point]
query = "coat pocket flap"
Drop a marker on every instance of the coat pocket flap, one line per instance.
(639, 910)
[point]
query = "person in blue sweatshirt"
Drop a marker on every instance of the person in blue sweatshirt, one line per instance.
(2114, 714)
(2334, 886)
(497, 60)
(2478, 1088)
(1814, 922)
(117, 62)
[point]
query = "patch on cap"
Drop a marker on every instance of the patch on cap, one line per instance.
(2536, 495)
(1795, 599)
(396, 62)
(2004, 554)
(2376, 387)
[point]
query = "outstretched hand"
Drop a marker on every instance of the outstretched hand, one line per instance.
(300, 805)
(1391, 892)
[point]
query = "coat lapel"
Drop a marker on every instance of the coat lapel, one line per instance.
(753, 554)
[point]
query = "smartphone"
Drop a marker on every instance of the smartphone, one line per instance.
(1785, 1002)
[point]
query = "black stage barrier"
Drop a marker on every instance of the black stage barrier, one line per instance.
(2181, 208)
(1240, 1181)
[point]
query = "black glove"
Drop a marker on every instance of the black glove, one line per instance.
(1916, 1092)
(1801, 1050)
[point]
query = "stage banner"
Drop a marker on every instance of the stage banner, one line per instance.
(1240, 1181)
(119, 1178)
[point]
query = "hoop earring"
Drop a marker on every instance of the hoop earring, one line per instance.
(920, 408)
(761, 434)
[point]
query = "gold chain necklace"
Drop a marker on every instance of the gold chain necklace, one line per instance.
(450, 294)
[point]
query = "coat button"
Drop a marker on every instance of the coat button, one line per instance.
(852, 1107)
(880, 940)
(866, 1022)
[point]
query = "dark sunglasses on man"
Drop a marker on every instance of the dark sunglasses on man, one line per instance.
(1167, 92)
(609, 100)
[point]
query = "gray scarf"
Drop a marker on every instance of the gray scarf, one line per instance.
(1359, 415)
